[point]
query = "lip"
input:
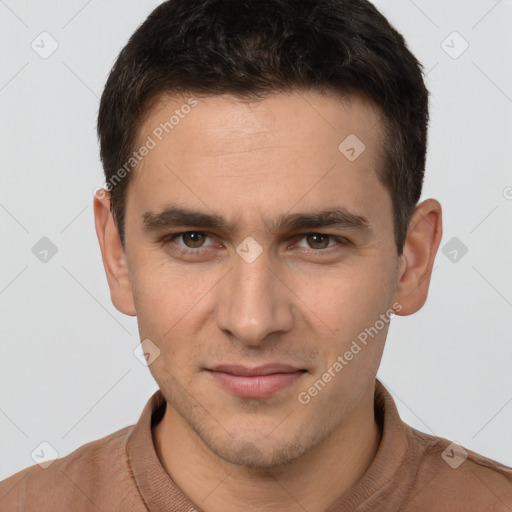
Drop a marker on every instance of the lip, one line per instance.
(266, 369)
(257, 382)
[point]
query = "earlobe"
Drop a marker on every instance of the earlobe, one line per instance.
(417, 260)
(113, 256)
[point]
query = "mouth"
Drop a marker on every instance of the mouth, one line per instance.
(257, 382)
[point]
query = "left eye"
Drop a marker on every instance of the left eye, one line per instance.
(318, 240)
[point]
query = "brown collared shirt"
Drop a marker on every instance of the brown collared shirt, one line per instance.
(412, 471)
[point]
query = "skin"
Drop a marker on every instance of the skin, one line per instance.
(251, 162)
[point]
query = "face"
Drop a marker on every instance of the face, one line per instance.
(262, 275)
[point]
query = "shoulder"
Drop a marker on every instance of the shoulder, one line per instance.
(452, 477)
(77, 478)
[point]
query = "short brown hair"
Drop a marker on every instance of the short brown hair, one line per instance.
(250, 48)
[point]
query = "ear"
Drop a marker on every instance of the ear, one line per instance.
(113, 255)
(417, 259)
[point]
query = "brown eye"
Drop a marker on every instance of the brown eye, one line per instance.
(190, 244)
(193, 239)
(318, 241)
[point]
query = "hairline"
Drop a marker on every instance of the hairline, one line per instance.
(165, 96)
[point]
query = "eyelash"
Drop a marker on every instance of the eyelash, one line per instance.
(200, 250)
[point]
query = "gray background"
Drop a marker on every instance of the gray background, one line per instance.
(68, 371)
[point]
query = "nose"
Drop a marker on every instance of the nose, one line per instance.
(254, 302)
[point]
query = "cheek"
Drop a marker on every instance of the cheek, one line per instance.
(161, 296)
(172, 304)
(161, 285)
(343, 302)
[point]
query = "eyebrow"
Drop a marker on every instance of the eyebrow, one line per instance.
(174, 215)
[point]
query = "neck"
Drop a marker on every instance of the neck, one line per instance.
(305, 484)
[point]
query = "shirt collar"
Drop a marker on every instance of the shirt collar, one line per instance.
(391, 465)
(159, 491)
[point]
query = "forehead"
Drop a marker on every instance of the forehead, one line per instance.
(300, 150)
(224, 120)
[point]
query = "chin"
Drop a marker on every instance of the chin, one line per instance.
(256, 455)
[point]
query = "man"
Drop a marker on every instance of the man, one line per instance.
(264, 160)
